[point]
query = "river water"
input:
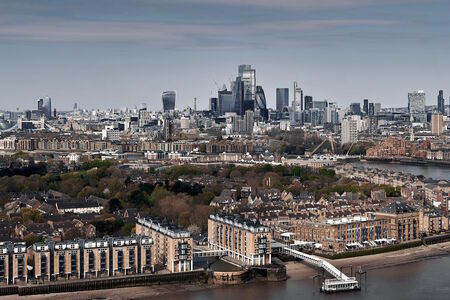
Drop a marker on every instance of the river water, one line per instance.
(428, 279)
(427, 170)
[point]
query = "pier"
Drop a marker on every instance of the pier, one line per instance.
(340, 282)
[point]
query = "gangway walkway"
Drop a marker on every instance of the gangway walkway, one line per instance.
(341, 281)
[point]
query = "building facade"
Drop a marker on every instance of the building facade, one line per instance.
(339, 235)
(244, 240)
(173, 246)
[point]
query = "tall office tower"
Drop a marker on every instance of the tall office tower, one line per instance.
(308, 102)
(355, 108)
(371, 111)
(261, 111)
(416, 106)
(366, 107)
(297, 104)
(376, 108)
(437, 124)
(225, 101)
(45, 107)
(332, 114)
(195, 103)
(441, 102)
(249, 121)
(244, 89)
(213, 105)
(168, 100)
(349, 129)
(282, 98)
(40, 104)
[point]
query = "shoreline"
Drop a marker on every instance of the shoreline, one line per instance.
(300, 271)
(295, 271)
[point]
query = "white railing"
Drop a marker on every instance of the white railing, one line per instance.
(314, 260)
(210, 253)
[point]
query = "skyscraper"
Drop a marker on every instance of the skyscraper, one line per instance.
(441, 102)
(261, 111)
(308, 102)
(225, 101)
(168, 100)
(416, 106)
(355, 108)
(371, 111)
(366, 107)
(297, 105)
(45, 107)
(349, 129)
(282, 98)
(244, 89)
(213, 105)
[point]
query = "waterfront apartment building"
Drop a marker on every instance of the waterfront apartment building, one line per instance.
(173, 246)
(339, 235)
(13, 262)
(244, 240)
(402, 221)
(92, 258)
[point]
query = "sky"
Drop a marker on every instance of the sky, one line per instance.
(111, 53)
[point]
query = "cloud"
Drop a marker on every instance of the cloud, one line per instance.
(295, 4)
(167, 34)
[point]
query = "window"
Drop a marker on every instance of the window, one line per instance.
(73, 263)
(103, 261)
(43, 264)
(120, 259)
(62, 264)
(91, 263)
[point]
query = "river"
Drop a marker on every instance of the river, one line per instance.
(427, 170)
(427, 279)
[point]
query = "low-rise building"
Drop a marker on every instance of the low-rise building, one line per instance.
(402, 221)
(341, 234)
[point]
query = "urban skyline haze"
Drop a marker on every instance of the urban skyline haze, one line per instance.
(123, 53)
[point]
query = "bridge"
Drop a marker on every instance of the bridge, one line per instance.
(341, 282)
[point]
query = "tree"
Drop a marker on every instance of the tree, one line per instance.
(32, 238)
(31, 215)
(128, 229)
(114, 205)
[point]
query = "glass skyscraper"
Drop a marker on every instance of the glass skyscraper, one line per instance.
(168, 100)
(441, 102)
(244, 89)
(282, 98)
(260, 104)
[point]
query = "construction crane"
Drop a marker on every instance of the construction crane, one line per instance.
(329, 138)
(350, 148)
(215, 82)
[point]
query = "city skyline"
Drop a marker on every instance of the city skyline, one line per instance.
(135, 50)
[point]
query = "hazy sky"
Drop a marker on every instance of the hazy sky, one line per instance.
(122, 53)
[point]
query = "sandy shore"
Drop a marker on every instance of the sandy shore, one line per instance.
(295, 271)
